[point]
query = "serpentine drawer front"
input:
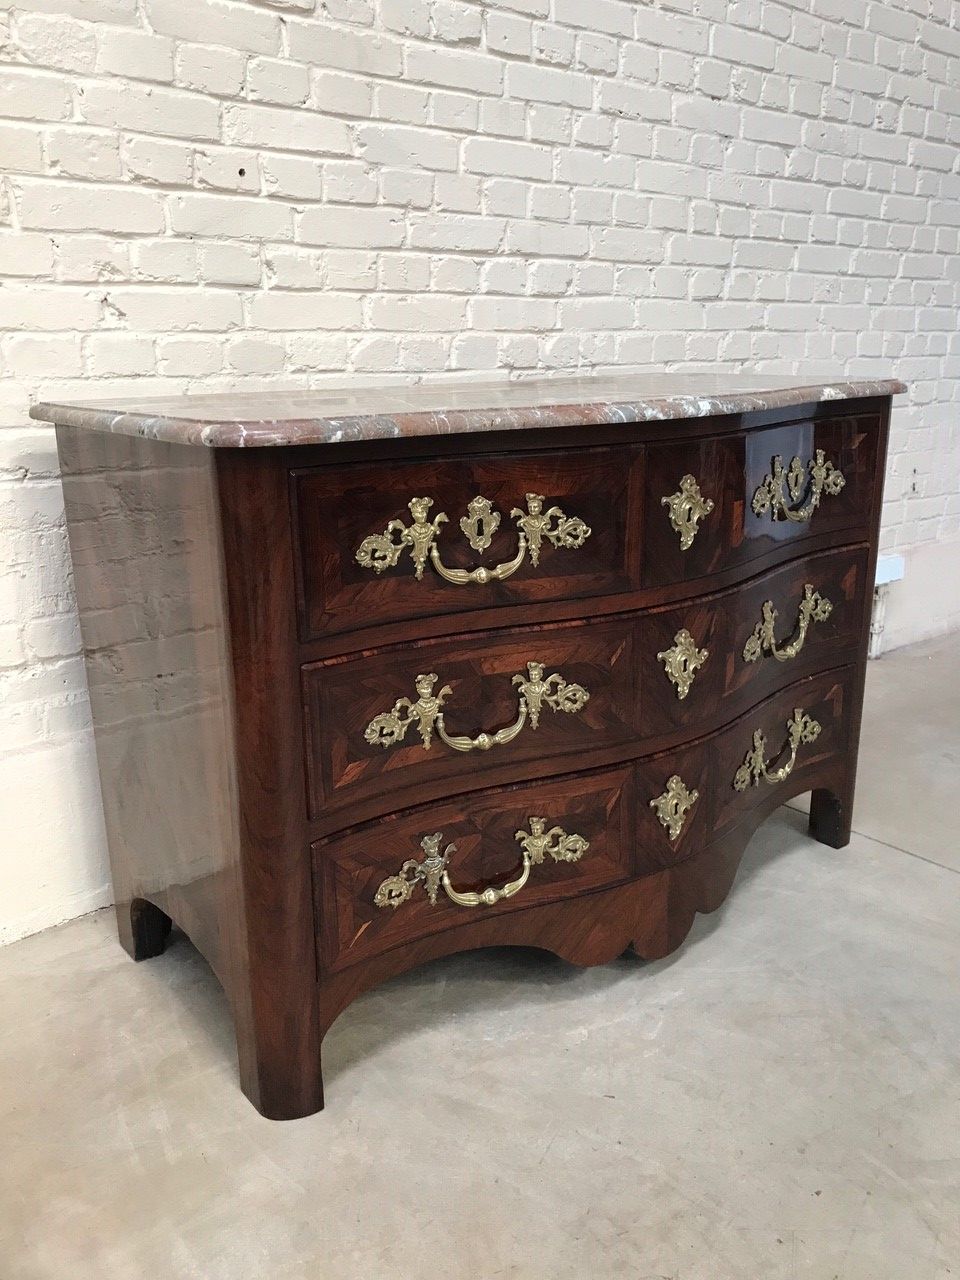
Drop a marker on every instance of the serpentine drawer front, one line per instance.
(399, 725)
(393, 722)
(397, 672)
(465, 535)
(393, 881)
(484, 845)
(756, 495)
(707, 659)
(417, 539)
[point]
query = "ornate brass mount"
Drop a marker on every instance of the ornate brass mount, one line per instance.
(813, 608)
(824, 478)
(535, 693)
(683, 661)
(382, 551)
(672, 807)
(800, 728)
(432, 873)
(687, 507)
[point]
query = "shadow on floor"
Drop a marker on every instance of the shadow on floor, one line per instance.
(509, 979)
(501, 979)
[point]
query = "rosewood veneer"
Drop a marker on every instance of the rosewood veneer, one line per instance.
(380, 675)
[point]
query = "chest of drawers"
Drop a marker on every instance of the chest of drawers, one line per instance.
(377, 676)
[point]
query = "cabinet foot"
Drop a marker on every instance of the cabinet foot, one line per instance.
(280, 1090)
(143, 928)
(831, 815)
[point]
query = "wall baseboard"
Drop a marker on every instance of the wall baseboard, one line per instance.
(59, 912)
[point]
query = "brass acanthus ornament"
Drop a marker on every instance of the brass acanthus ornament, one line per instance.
(686, 508)
(382, 551)
(683, 661)
(800, 728)
(396, 890)
(672, 807)
(824, 478)
(813, 608)
(431, 870)
(534, 693)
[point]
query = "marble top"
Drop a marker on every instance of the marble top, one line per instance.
(358, 411)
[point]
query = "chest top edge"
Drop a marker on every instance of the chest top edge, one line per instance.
(367, 414)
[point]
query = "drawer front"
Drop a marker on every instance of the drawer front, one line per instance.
(440, 866)
(780, 744)
(708, 659)
(716, 504)
(688, 795)
(401, 725)
(414, 720)
(393, 541)
(382, 886)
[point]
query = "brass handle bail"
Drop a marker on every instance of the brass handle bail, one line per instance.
(800, 728)
(382, 551)
(535, 691)
(431, 871)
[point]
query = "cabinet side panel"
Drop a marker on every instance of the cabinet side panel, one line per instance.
(145, 542)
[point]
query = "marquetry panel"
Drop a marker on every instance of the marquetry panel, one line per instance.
(598, 806)
(344, 697)
(337, 509)
(729, 470)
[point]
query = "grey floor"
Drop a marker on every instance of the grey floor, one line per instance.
(779, 1099)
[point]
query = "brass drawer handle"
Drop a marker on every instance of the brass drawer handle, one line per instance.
(431, 870)
(800, 728)
(824, 478)
(535, 693)
(382, 551)
(813, 608)
(686, 508)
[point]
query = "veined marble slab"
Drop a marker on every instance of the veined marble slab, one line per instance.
(334, 415)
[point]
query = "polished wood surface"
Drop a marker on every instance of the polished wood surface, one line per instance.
(336, 508)
(610, 808)
(342, 697)
(729, 470)
(633, 707)
(349, 869)
(236, 652)
(143, 525)
(723, 623)
(278, 1038)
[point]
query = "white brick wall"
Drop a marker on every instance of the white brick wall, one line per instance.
(222, 193)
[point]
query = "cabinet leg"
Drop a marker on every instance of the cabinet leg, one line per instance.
(143, 928)
(279, 1064)
(831, 815)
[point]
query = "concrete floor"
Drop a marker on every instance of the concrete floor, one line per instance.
(778, 1100)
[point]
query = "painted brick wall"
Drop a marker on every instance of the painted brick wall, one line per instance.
(213, 193)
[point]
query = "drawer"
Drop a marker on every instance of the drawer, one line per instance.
(716, 504)
(401, 724)
(781, 745)
(381, 886)
(411, 721)
(689, 795)
(482, 532)
(708, 659)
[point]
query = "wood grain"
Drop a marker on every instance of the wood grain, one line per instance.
(235, 652)
(633, 707)
(336, 508)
